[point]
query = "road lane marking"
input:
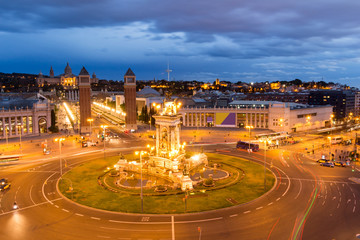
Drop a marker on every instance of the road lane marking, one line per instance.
(258, 208)
(354, 209)
(56, 206)
(202, 220)
(30, 194)
(145, 223)
(43, 188)
(16, 193)
(65, 210)
(78, 214)
(31, 206)
(349, 200)
(246, 212)
(95, 218)
(102, 236)
(270, 203)
(234, 215)
(277, 199)
(136, 230)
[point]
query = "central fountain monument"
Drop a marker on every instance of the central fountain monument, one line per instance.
(168, 159)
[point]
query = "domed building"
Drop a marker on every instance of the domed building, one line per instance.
(67, 79)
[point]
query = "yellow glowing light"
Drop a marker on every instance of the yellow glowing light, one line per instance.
(69, 111)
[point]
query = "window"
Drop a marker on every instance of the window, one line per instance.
(24, 123)
(30, 124)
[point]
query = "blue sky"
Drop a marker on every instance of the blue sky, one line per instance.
(247, 40)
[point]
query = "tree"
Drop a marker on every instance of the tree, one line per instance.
(151, 113)
(144, 116)
(53, 128)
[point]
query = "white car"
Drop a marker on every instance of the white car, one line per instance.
(91, 143)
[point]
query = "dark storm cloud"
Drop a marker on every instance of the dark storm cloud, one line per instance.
(250, 31)
(255, 23)
(300, 19)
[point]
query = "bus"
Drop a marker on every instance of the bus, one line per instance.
(9, 158)
(246, 145)
(273, 136)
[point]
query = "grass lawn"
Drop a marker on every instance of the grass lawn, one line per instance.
(87, 191)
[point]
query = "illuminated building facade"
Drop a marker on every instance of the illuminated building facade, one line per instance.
(277, 116)
(67, 79)
(24, 114)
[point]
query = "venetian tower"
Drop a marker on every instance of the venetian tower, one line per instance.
(84, 100)
(130, 99)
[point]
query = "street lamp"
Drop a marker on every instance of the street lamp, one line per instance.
(60, 140)
(90, 120)
(249, 127)
(20, 129)
(141, 181)
(104, 131)
(265, 142)
(329, 148)
(308, 118)
(7, 136)
(331, 122)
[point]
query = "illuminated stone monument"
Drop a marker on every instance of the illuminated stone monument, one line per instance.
(169, 152)
(167, 159)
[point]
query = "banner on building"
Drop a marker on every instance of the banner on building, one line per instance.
(225, 119)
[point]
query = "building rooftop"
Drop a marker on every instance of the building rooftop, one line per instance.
(10, 101)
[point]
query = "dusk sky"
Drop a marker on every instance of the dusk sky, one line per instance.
(234, 40)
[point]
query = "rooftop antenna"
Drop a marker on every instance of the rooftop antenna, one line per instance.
(168, 70)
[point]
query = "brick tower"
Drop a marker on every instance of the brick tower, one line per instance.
(84, 99)
(130, 99)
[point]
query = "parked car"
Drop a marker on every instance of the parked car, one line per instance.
(340, 164)
(91, 144)
(322, 160)
(327, 164)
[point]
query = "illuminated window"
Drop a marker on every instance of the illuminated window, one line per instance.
(30, 124)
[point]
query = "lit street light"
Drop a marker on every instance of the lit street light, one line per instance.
(249, 127)
(104, 132)
(60, 140)
(20, 129)
(7, 136)
(90, 120)
(141, 181)
(329, 148)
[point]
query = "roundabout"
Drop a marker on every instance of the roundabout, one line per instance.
(172, 194)
(234, 181)
(298, 196)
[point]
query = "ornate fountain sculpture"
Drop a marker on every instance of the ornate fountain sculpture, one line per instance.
(169, 157)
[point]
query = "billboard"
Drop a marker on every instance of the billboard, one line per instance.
(225, 119)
